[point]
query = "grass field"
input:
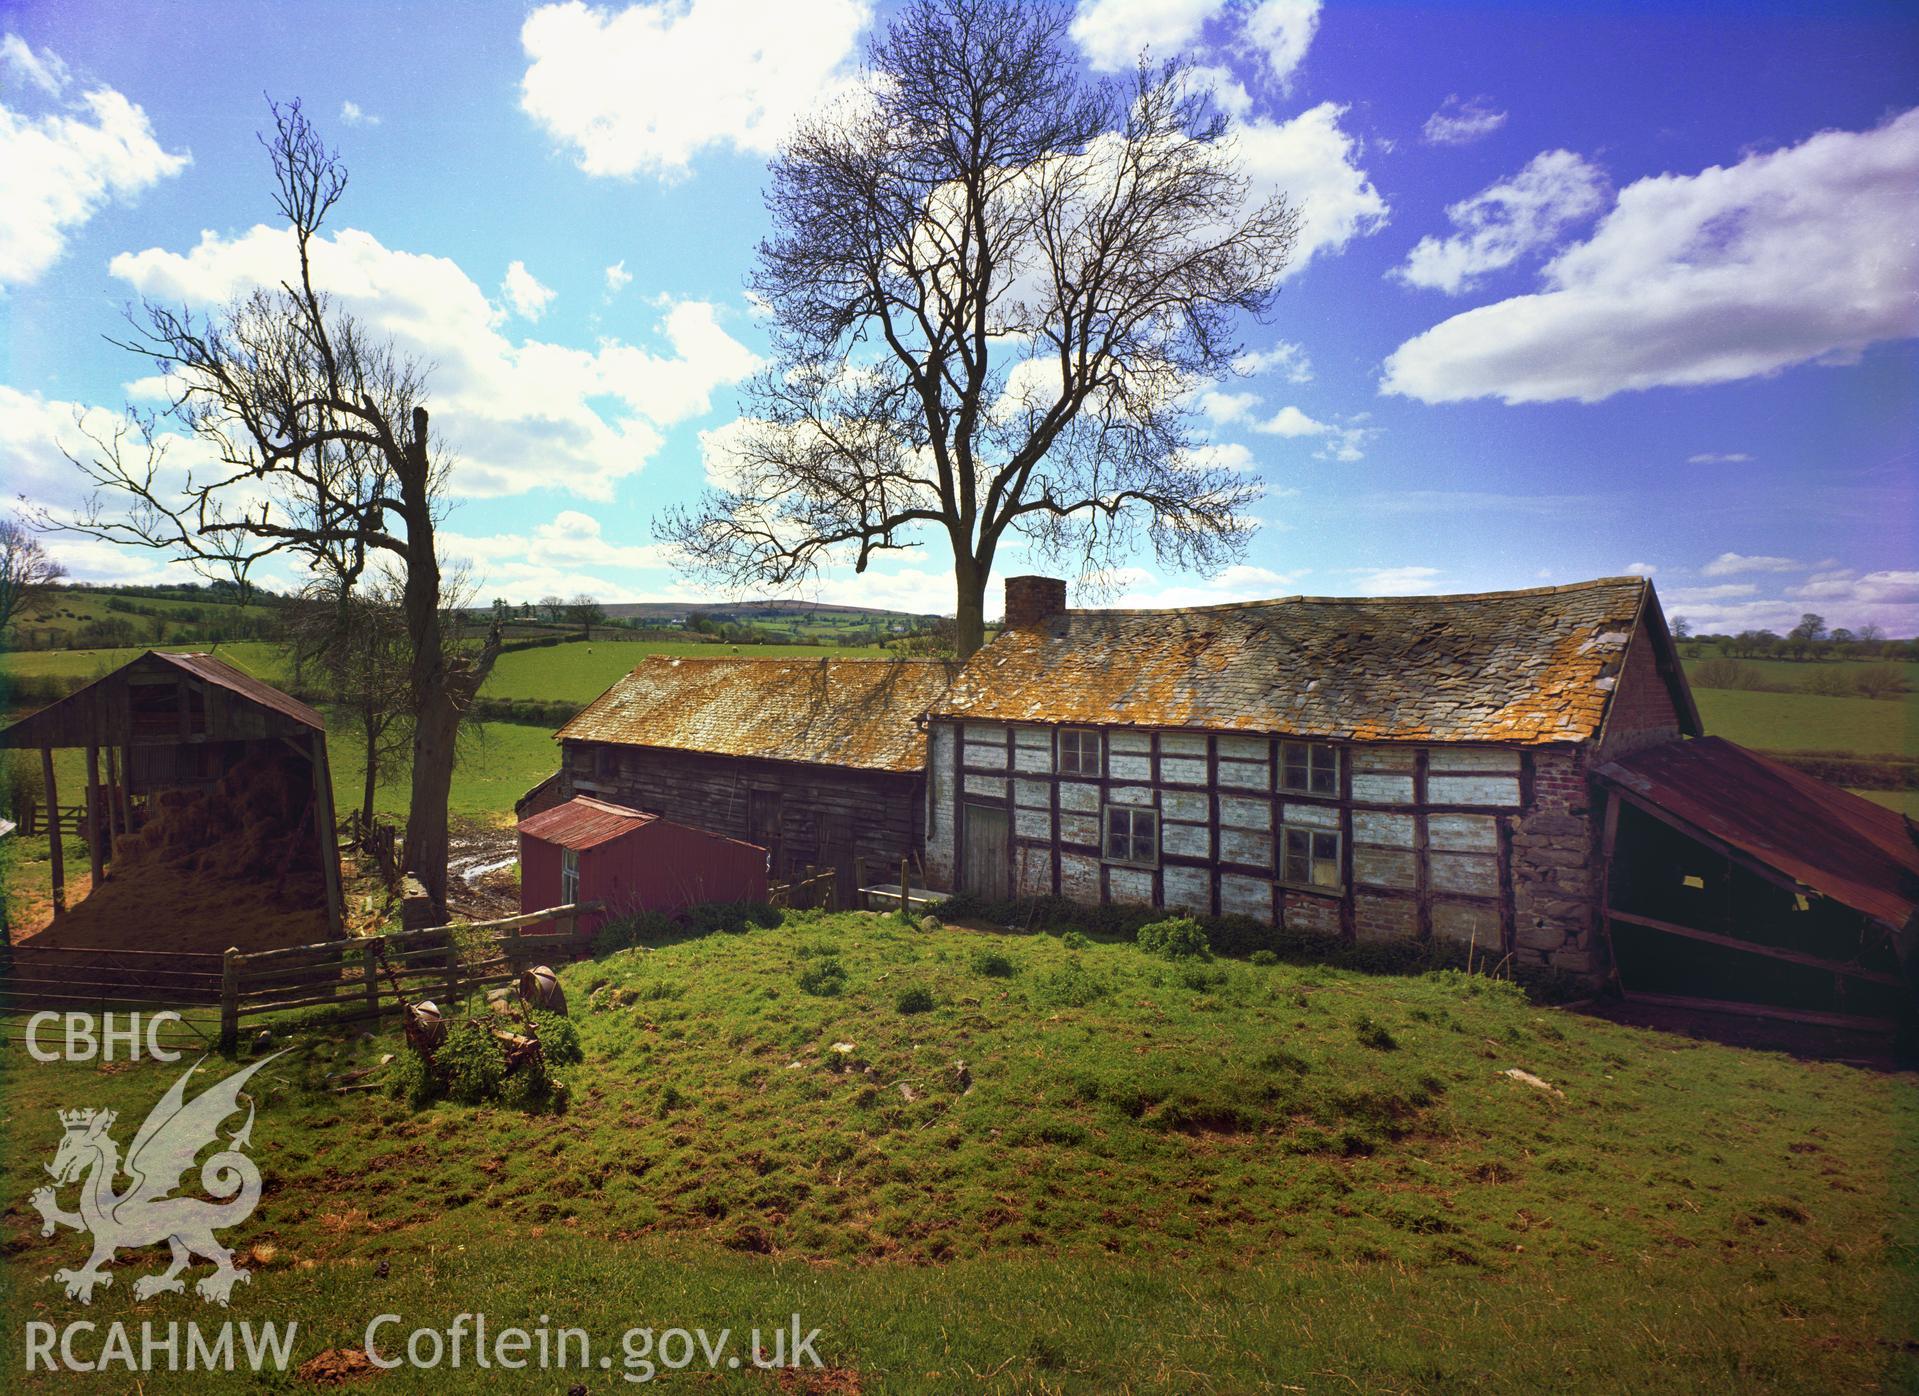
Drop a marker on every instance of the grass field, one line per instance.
(1806, 722)
(580, 672)
(1148, 1175)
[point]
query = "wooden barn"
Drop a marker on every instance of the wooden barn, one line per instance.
(195, 766)
(1398, 767)
(586, 850)
(821, 762)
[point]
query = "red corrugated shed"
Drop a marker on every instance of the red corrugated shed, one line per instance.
(1850, 850)
(631, 861)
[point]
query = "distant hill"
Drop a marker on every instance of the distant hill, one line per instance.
(752, 610)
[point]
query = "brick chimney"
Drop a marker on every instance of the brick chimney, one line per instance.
(1032, 601)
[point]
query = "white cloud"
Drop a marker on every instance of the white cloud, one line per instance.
(1640, 569)
(1137, 587)
(1112, 33)
(1284, 358)
(1223, 409)
(566, 556)
(353, 114)
(1873, 588)
(1698, 596)
(1504, 221)
(1845, 597)
(1798, 255)
(1316, 164)
(618, 278)
(1396, 581)
(1718, 458)
(1342, 443)
(58, 169)
(519, 416)
(1289, 421)
(1462, 122)
(524, 292)
(648, 88)
(1736, 564)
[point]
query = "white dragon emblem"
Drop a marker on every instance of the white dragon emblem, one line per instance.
(144, 1214)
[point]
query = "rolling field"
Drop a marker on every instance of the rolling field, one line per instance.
(1078, 1170)
(1807, 722)
(581, 671)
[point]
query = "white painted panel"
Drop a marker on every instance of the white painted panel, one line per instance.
(1033, 824)
(1078, 796)
(1245, 748)
(1187, 889)
(985, 732)
(1182, 744)
(1033, 794)
(1383, 758)
(1390, 830)
(1033, 758)
(1079, 878)
(1120, 767)
(1182, 770)
(1079, 828)
(1187, 840)
(986, 785)
(1246, 896)
(1238, 812)
(1469, 923)
(1240, 846)
(1138, 742)
(1385, 867)
(992, 758)
(1033, 737)
(1131, 795)
(1244, 775)
(1464, 833)
(1313, 816)
(1034, 869)
(1133, 886)
(1472, 790)
(1464, 872)
(939, 815)
(1188, 805)
(1465, 758)
(1383, 790)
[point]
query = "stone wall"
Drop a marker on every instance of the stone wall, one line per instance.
(1554, 865)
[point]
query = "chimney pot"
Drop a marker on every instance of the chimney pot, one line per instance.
(1032, 601)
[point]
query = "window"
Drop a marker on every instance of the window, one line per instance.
(1132, 834)
(569, 876)
(1310, 858)
(1078, 752)
(1307, 768)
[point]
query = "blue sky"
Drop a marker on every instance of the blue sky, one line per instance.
(1584, 288)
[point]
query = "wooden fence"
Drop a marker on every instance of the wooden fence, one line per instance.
(353, 980)
(123, 983)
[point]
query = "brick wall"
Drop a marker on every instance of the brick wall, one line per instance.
(1642, 712)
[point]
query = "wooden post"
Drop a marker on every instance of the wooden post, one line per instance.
(230, 999)
(326, 842)
(54, 851)
(370, 975)
(124, 795)
(905, 886)
(96, 859)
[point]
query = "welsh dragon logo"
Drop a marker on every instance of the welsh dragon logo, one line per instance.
(144, 1213)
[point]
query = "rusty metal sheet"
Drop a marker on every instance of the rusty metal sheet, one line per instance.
(841, 712)
(1829, 840)
(584, 822)
(1517, 668)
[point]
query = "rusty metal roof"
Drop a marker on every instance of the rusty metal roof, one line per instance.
(1525, 667)
(1840, 846)
(584, 822)
(840, 712)
(217, 671)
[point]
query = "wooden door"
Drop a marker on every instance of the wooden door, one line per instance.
(763, 826)
(983, 870)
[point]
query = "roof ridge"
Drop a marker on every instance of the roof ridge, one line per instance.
(1359, 600)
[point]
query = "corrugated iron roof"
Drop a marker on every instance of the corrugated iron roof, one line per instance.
(218, 672)
(584, 822)
(1524, 667)
(1843, 847)
(842, 712)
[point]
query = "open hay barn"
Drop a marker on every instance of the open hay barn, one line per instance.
(209, 809)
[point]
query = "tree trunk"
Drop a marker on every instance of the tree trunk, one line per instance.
(969, 619)
(369, 725)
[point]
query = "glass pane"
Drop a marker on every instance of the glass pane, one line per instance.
(1325, 770)
(1326, 846)
(1297, 842)
(1295, 867)
(1325, 873)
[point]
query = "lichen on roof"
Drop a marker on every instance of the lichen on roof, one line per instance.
(1522, 667)
(831, 711)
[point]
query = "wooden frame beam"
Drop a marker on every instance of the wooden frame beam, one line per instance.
(1771, 952)
(1852, 1021)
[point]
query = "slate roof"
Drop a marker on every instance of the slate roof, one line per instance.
(1518, 667)
(1857, 853)
(842, 712)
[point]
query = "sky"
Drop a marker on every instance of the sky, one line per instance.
(1582, 289)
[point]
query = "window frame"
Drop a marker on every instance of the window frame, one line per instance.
(1336, 888)
(1081, 737)
(569, 874)
(1107, 810)
(1330, 749)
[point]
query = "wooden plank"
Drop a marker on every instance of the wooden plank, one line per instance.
(326, 842)
(1761, 1010)
(55, 854)
(96, 852)
(1771, 952)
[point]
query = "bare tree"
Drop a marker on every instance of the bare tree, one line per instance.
(554, 608)
(353, 642)
(27, 571)
(586, 613)
(318, 433)
(994, 288)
